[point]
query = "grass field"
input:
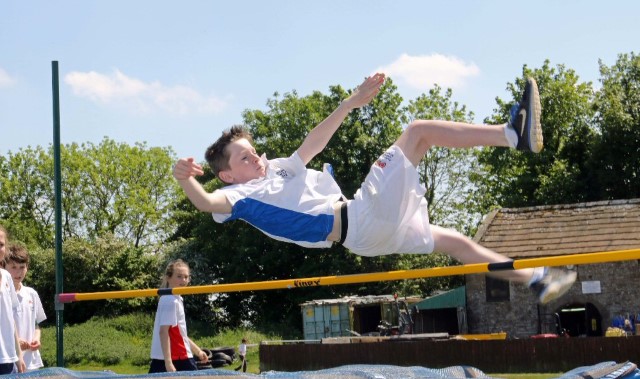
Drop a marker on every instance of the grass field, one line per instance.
(122, 344)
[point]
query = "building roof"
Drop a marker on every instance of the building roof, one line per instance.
(562, 229)
(455, 298)
(360, 300)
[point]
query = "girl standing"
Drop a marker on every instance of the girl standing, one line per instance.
(171, 348)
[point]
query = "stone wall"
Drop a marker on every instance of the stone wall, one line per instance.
(522, 316)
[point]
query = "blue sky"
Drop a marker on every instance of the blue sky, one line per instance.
(176, 73)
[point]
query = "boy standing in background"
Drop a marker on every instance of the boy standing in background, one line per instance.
(10, 353)
(30, 312)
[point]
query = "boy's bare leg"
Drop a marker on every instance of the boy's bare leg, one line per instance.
(465, 250)
(523, 132)
(548, 283)
(416, 140)
(421, 135)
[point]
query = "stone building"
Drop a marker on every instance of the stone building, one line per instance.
(602, 293)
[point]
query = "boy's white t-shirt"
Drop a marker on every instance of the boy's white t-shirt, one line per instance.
(27, 316)
(290, 203)
(388, 214)
(8, 302)
(171, 312)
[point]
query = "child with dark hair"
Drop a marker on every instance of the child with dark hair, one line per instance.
(242, 353)
(30, 312)
(10, 353)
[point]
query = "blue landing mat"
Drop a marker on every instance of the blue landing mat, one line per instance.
(604, 370)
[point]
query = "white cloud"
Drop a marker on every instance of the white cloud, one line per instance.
(423, 71)
(120, 90)
(5, 79)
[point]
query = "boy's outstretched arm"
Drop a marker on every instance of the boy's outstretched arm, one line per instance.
(319, 136)
(185, 171)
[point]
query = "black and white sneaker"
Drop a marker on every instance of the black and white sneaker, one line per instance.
(553, 284)
(525, 119)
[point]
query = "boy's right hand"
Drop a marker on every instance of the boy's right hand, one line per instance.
(186, 168)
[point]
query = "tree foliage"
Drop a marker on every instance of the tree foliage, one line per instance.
(446, 171)
(616, 158)
(591, 138)
(107, 188)
(558, 174)
(106, 264)
(118, 203)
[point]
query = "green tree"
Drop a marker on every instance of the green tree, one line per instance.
(616, 158)
(26, 195)
(446, 171)
(107, 188)
(107, 264)
(118, 203)
(558, 174)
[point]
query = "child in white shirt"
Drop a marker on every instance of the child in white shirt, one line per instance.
(30, 312)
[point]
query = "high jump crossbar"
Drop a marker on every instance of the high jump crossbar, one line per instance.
(475, 268)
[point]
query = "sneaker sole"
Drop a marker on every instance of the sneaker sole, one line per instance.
(557, 289)
(535, 128)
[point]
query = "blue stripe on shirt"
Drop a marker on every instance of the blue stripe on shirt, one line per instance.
(284, 223)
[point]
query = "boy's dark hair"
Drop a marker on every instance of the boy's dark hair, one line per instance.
(6, 240)
(217, 156)
(17, 253)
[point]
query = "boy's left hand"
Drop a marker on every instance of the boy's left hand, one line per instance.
(34, 345)
(365, 91)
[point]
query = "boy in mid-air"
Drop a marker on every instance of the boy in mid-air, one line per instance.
(387, 215)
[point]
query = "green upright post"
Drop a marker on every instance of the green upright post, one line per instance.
(58, 215)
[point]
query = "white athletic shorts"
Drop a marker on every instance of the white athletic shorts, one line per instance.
(388, 214)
